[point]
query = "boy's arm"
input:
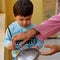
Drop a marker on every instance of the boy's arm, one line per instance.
(7, 41)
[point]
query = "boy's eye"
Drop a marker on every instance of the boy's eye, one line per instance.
(28, 19)
(25, 19)
(21, 19)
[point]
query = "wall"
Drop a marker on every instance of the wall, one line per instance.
(9, 19)
(0, 6)
(6, 6)
(3, 6)
(38, 11)
(49, 8)
(9, 11)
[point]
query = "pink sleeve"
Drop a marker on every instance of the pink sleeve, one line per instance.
(48, 27)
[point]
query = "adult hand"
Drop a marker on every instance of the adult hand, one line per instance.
(25, 36)
(53, 49)
(19, 36)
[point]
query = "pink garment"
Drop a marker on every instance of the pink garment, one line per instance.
(48, 27)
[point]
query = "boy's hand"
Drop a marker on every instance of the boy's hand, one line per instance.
(10, 47)
(36, 47)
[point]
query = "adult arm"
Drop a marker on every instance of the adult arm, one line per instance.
(48, 27)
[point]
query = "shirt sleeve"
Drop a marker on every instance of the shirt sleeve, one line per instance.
(48, 27)
(7, 38)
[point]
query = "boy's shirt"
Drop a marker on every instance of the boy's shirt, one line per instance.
(15, 29)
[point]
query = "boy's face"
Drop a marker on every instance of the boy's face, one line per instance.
(23, 21)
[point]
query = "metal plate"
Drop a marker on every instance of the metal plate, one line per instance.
(28, 54)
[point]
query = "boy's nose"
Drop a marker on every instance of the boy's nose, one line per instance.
(25, 22)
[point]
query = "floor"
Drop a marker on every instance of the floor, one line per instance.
(50, 41)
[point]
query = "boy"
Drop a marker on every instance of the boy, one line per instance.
(22, 10)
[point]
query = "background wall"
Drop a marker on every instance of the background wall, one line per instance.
(9, 11)
(49, 8)
(0, 5)
(37, 17)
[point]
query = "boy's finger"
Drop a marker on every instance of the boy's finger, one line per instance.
(23, 42)
(13, 38)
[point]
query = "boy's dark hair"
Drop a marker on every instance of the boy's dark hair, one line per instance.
(23, 8)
